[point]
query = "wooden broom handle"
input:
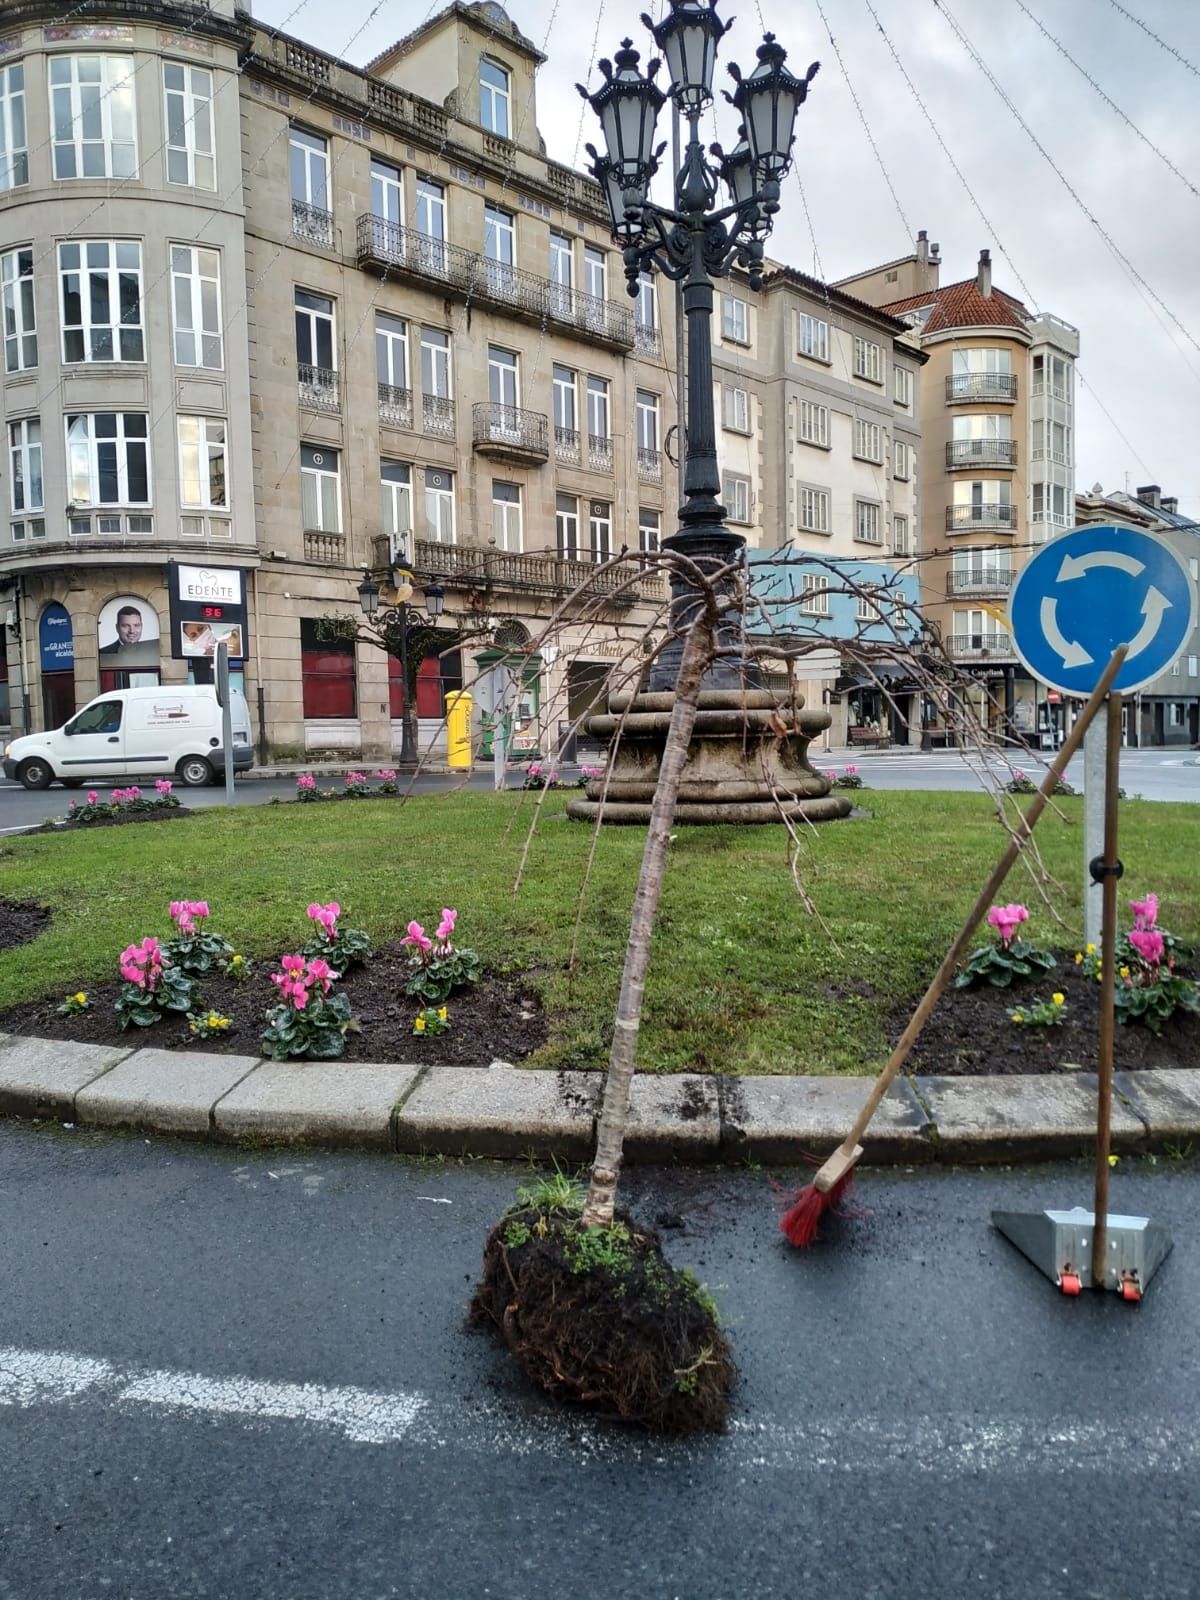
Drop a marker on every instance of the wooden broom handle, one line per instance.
(1016, 844)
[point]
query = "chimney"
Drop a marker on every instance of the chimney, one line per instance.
(1169, 503)
(983, 277)
(1150, 495)
(922, 247)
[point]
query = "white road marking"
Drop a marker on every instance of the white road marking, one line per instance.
(944, 1445)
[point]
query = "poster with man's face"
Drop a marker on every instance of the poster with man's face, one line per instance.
(127, 629)
(202, 638)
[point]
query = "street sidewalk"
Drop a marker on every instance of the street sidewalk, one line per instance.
(502, 1110)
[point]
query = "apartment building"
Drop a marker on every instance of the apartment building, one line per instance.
(997, 465)
(816, 397)
(1167, 710)
(271, 321)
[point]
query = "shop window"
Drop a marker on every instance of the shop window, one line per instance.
(439, 675)
(326, 674)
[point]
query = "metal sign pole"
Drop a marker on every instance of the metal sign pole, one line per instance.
(223, 699)
(1095, 767)
(1106, 872)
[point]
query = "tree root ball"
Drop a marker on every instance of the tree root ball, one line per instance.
(600, 1317)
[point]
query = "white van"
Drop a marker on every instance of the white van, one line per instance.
(165, 731)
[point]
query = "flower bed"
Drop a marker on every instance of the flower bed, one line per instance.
(122, 806)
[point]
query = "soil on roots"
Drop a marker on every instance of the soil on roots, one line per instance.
(600, 1317)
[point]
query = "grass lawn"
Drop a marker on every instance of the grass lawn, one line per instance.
(742, 979)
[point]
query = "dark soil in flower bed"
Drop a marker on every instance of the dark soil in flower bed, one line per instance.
(496, 1018)
(970, 1032)
(66, 826)
(20, 922)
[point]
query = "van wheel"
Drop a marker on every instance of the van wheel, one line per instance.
(194, 771)
(36, 773)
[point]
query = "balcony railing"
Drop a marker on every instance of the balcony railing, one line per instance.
(312, 224)
(649, 465)
(980, 386)
(1039, 386)
(567, 448)
(980, 580)
(329, 549)
(318, 388)
(990, 514)
(600, 453)
(981, 453)
(980, 646)
(509, 432)
(395, 406)
(387, 248)
(470, 567)
(646, 340)
(1040, 453)
(437, 416)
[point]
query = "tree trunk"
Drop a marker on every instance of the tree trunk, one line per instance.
(614, 1113)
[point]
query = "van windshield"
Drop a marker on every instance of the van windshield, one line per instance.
(103, 717)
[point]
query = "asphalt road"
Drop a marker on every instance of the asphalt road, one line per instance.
(920, 1412)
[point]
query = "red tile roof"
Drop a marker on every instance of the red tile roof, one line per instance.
(960, 305)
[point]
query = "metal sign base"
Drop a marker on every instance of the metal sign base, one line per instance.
(1059, 1243)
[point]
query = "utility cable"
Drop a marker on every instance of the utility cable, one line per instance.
(1150, 33)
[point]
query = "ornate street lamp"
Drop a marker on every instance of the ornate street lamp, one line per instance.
(368, 599)
(693, 243)
(368, 596)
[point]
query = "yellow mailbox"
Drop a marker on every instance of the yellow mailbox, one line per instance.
(458, 728)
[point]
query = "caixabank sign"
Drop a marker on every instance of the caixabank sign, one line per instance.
(208, 608)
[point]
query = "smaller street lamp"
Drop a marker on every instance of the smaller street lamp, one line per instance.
(769, 100)
(688, 37)
(368, 595)
(435, 600)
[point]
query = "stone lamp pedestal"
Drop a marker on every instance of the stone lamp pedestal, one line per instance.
(747, 761)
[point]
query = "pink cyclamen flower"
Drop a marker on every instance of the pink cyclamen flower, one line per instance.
(354, 777)
(92, 797)
(1006, 920)
(418, 938)
(1149, 944)
(306, 781)
(164, 786)
(850, 771)
(386, 774)
(320, 972)
(553, 777)
(141, 964)
(293, 966)
(1145, 911)
(327, 916)
(446, 926)
(535, 769)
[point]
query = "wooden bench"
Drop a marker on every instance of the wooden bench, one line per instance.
(868, 736)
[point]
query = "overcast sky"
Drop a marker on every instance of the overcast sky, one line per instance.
(1136, 364)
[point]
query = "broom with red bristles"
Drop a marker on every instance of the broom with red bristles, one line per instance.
(803, 1218)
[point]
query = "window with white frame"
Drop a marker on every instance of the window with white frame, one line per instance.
(1194, 666)
(20, 311)
(868, 441)
(812, 337)
(814, 594)
(495, 98)
(108, 458)
(435, 364)
(647, 421)
(562, 264)
(645, 307)
(814, 423)
(900, 535)
(902, 387)
(395, 505)
(1177, 713)
(598, 409)
(868, 608)
(866, 522)
(203, 484)
(188, 98)
(735, 492)
(92, 119)
(391, 351)
(595, 272)
(316, 347)
(499, 236)
(308, 168)
(25, 461)
(735, 408)
(387, 192)
(431, 210)
(600, 529)
(506, 515)
(735, 319)
(649, 530)
(196, 307)
(320, 489)
(901, 460)
(868, 360)
(100, 282)
(566, 526)
(439, 505)
(14, 141)
(813, 509)
(565, 394)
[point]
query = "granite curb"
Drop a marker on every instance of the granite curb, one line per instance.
(515, 1112)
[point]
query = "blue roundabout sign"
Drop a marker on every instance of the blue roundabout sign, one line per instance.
(1087, 592)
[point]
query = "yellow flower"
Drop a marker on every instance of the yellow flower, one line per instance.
(1112, 1160)
(442, 1012)
(81, 998)
(1090, 949)
(235, 961)
(1099, 977)
(419, 1025)
(1018, 1016)
(1124, 972)
(1058, 999)
(1078, 957)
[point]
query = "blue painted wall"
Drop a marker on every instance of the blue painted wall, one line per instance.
(776, 579)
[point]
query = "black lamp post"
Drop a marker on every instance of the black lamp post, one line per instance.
(693, 243)
(435, 600)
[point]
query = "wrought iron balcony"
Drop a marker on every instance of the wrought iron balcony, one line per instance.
(600, 453)
(649, 465)
(567, 448)
(981, 646)
(471, 568)
(395, 406)
(318, 388)
(980, 386)
(980, 580)
(312, 224)
(987, 515)
(646, 341)
(437, 415)
(981, 453)
(509, 433)
(390, 250)
(328, 549)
